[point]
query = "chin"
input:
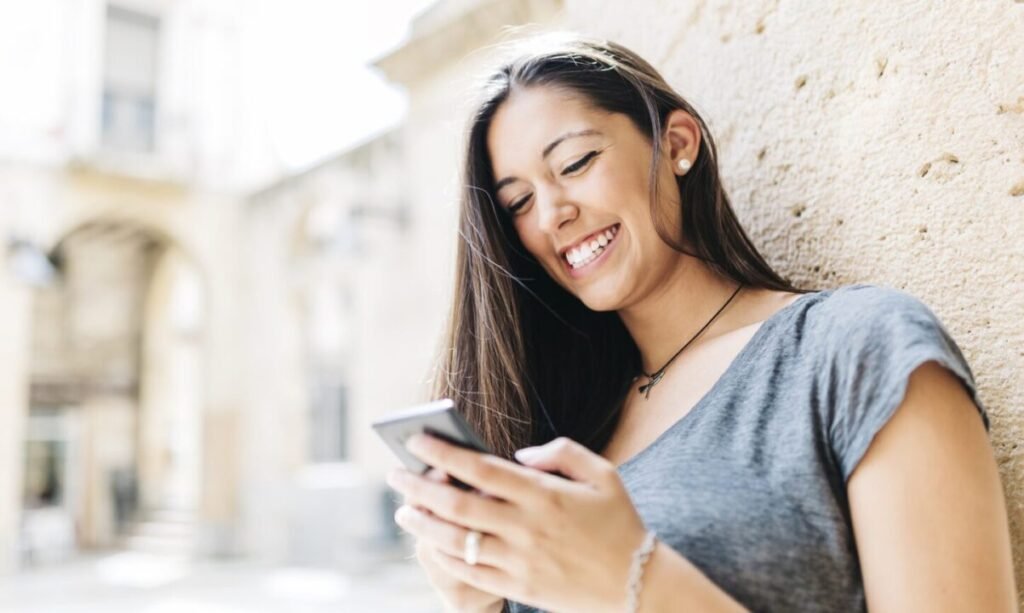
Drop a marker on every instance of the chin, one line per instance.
(599, 300)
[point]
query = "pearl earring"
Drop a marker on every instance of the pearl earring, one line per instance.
(684, 165)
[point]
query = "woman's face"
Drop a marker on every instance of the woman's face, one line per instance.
(575, 180)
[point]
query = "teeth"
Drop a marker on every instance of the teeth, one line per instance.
(583, 254)
(586, 260)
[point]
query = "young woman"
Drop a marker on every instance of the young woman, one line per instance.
(703, 436)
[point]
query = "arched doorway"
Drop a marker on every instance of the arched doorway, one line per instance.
(116, 395)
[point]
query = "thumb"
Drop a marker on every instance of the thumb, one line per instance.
(566, 456)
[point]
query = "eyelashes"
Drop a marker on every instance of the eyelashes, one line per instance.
(579, 163)
(571, 168)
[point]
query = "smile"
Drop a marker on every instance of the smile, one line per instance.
(582, 257)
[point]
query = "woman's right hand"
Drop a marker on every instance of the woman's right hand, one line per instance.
(458, 596)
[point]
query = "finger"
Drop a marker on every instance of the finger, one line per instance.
(447, 537)
(435, 474)
(570, 458)
(453, 504)
(440, 476)
(481, 576)
(484, 471)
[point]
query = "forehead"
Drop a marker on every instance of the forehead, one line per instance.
(530, 119)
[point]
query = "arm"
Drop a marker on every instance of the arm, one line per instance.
(673, 583)
(927, 505)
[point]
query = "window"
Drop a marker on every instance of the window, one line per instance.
(128, 119)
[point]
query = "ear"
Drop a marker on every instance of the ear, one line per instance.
(682, 138)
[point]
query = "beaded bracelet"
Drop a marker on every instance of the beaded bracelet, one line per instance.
(636, 571)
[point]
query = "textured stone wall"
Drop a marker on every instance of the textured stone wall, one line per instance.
(878, 142)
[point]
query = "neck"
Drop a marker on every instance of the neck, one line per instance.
(676, 308)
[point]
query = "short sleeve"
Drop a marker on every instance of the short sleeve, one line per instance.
(879, 336)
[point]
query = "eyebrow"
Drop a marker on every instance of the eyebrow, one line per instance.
(547, 151)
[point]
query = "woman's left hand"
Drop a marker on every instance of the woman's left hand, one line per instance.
(550, 542)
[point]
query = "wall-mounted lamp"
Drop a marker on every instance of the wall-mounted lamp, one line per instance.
(30, 264)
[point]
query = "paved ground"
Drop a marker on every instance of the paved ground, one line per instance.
(145, 583)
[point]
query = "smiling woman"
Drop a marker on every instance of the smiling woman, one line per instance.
(571, 140)
(599, 256)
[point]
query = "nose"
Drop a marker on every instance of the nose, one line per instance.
(553, 210)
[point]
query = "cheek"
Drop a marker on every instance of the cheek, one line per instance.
(538, 245)
(534, 242)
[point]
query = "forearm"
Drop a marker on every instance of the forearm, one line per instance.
(673, 583)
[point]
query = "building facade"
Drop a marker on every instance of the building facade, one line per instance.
(120, 167)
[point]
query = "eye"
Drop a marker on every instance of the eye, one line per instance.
(575, 166)
(580, 163)
(518, 204)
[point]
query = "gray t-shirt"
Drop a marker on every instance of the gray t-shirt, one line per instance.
(750, 484)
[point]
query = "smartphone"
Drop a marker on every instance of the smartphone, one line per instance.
(438, 419)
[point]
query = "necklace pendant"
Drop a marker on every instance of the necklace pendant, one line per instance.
(645, 389)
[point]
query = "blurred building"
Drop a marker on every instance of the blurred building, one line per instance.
(193, 357)
(362, 245)
(123, 143)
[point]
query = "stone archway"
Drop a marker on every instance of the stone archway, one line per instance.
(117, 390)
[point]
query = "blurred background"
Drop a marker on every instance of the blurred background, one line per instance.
(215, 272)
(227, 228)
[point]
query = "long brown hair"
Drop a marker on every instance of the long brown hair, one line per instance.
(523, 359)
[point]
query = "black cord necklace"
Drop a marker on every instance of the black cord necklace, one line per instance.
(656, 376)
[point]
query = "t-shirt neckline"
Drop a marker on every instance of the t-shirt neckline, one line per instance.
(741, 358)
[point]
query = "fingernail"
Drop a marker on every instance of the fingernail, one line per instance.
(527, 453)
(415, 443)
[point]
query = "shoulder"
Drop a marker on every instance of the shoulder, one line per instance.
(870, 339)
(860, 316)
(856, 303)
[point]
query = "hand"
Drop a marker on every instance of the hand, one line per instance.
(550, 542)
(457, 595)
